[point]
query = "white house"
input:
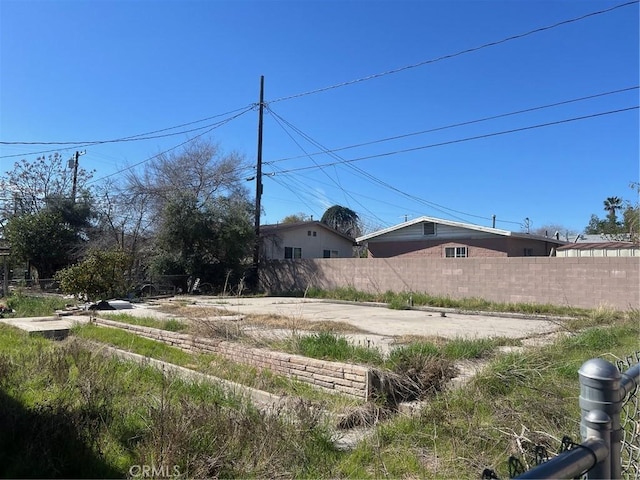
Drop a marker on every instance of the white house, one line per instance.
(311, 239)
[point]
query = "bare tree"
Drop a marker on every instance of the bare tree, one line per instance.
(202, 169)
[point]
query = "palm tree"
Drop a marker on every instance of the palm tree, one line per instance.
(342, 219)
(611, 204)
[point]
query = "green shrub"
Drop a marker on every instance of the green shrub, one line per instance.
(102, 274)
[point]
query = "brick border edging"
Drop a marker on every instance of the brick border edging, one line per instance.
(354, 380)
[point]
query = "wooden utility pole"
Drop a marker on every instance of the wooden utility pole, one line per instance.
(75, 174)
(258, 243)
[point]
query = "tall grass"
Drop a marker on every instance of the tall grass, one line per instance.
(34, 305)
(67, 413)
(329, 346)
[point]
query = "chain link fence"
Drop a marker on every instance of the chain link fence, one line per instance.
(609, 426)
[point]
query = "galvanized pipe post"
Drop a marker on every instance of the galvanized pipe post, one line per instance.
(600, 393)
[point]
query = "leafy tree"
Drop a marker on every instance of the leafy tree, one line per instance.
(42, 222)
(198, 211)
(31, 186)
(44, 239)
(296, 218)
(342, 219)
(101, 274)
(209, 241)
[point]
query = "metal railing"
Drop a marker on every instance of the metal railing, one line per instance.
(609, 426)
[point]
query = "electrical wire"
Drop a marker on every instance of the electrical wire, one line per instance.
(462, 140)
(140, 136)
(217, 125)
(279, 121)
(370, 177)
(459, 124)
(457, 54)
(132, 138)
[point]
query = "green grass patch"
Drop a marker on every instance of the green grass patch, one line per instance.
(329, 346)
(172, 324)
(34, 305)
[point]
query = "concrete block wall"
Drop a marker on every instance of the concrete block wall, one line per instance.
(576, 282)
(344, 378)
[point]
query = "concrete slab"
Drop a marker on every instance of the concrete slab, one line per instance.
(382, 321)
(50, 327)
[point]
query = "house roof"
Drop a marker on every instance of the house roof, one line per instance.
(468, 226)
(601, 238)
(598, 246)
(280, 227)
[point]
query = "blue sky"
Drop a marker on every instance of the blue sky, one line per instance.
(75, 71)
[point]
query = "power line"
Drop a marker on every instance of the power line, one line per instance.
(457, 54)
(219, 124)
(132, 138)
(370, 177)
(279, 120)
(467, 139)
(140, 136)
(459, 124)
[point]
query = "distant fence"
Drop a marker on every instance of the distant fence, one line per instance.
(609, 427)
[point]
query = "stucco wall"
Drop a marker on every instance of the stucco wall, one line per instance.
(577, 282)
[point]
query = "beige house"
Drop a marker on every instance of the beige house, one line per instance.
(438, 238)
(304, 240)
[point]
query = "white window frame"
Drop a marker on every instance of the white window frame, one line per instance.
(457, 252)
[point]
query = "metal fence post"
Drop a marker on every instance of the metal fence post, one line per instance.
(597, 425)
(600, 390)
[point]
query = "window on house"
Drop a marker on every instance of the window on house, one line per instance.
(314, 233)
(429, 228)
(528, 252)
(456, 252)
(330, 254)
(309, 233)
(292, 252)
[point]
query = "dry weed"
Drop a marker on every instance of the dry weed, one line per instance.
(365, 415)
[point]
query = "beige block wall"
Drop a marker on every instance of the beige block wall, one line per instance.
(344, 378)
(576, 282)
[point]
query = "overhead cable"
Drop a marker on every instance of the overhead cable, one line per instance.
(457, 54)
(219, 124)
(369, 176)
(279, 120)
(467, 139)
(459, 124)
(133, 138)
